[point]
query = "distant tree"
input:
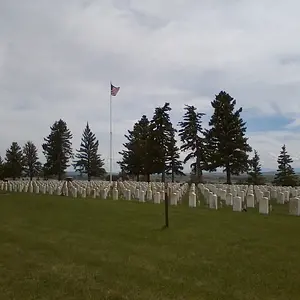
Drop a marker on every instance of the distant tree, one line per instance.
(285, 175)
(255, 173)
(88, 161)
(32, 166)
(227, 144)
(161, 135)
(58, 149)
(14, 161)
(193, 141)
(174, 166)
(137, 156)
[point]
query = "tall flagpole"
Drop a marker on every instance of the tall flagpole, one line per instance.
(110, 135)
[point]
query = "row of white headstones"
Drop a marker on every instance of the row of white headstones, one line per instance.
(128, 190)
(239, 197)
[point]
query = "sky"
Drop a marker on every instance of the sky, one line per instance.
(57, 59)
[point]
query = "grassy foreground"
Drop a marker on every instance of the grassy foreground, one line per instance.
(62, 248)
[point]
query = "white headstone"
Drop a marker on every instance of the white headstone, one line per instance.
(264, 206)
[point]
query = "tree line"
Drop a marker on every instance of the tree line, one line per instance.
(57, 148)
(152, 148)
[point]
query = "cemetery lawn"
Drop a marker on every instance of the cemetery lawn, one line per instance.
(62, 248)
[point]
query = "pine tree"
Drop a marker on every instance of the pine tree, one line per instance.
(285, 175)
(255, 174)
(46, 171)
(2, 169)
(161, 135)
(88, 160)
(136, 158)
(174, 166)
(193, 141)
(58, 149)
(14, 161)
(128, 162)
(32, 166)
(143, 147)
(227, 144)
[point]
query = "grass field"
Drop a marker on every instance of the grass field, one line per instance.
(62, 248)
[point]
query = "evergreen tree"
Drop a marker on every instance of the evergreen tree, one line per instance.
(14, 161)
(2, 169)
(46, 171)
(161, 135)
(174, 166)
(122, 175)
(88, 160)
(128, 162)
(255, 174)
(227, 144)
(193, 141)
(136, 158)
(32, 166)
(58, 149)
(285, 175)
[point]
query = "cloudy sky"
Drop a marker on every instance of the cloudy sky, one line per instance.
(57, 58)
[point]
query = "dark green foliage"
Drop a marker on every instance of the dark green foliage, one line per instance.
(58, 149)
(227, 144)
(45, 172)
(255, 174)
(136, 158)
(88, 160)
(32, 166)
(193, 142)
(14, 161)
(161, 134)
(174, 165)
(2, 169)
(285, 175)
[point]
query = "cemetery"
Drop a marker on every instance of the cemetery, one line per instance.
(149, 150)
(141, 234)
(238, 197)
(64, 238)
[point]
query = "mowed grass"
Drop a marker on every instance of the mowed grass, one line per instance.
(63, 248)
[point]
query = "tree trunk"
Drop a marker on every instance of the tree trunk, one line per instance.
(173, 176)
(228, 175)
(148, 177)
(89, 177)
(199, 174)
(138, 177)
(59, 163)
(163, 176)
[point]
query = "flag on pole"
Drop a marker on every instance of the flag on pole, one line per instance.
(114, 90)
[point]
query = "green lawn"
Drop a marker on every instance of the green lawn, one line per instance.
(62, 248)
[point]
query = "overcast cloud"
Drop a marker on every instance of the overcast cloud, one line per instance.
(57, 58)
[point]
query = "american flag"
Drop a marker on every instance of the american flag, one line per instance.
(114, 90)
